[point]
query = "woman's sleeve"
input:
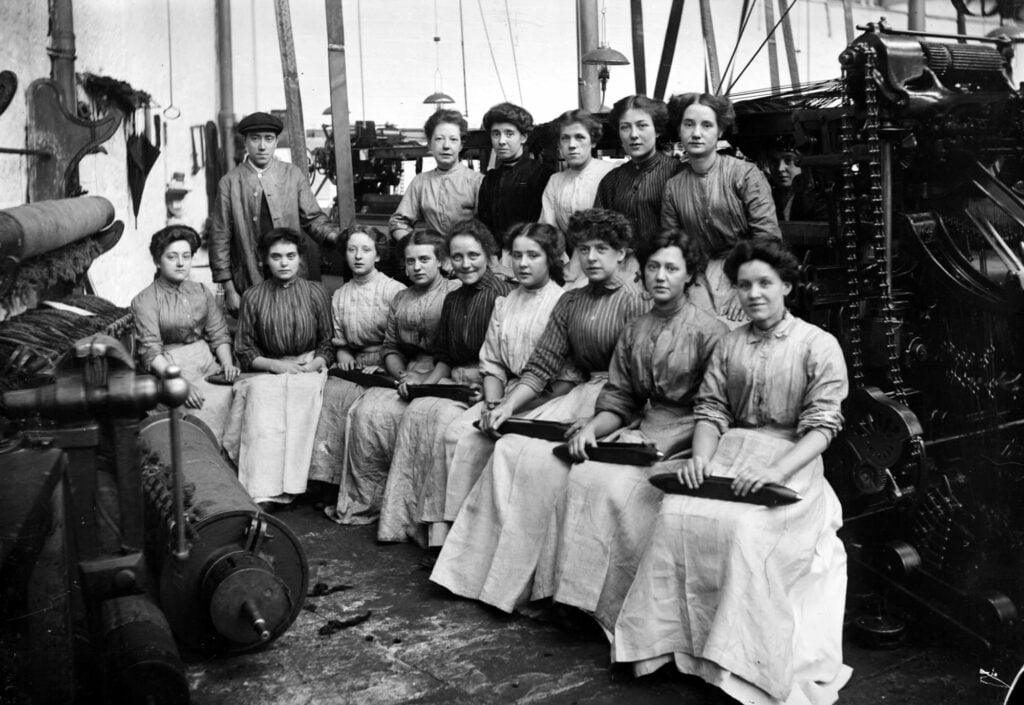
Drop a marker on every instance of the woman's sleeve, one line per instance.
(490, 351)
(325, 329)
(339, 340)
(712, 403)
(402, 222)
(618, 395)
(547, 205)
(669, 212)
(247, 347)
(217, 332)
(827, 386)
(757, 199)
(392, 343)
(442, 347)
(147, 329)
(552, 349)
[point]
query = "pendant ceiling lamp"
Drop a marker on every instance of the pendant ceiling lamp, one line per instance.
(438, 97)
(604, 56)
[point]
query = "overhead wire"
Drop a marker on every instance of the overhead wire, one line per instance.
(515, 62)
(748, 10)
(490, 48)
(768, 35)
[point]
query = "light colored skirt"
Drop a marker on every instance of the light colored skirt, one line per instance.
(508, 521)
(713, 291)
(415, 492)
(270, 431)
(466, 452)
(748, 598)
(196, 362)
(340, 395)
(370, 436)
(606, 517)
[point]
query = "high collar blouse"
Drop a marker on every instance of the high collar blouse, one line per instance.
(660, 359)
(281, 320)
(413, 319)
(511, 193)
(731, 201)
(464, 318)
(516, 324)
(572, 190)
(584, 327)
(170, 315)
(635, 189)
(359, 311)
(792, 377)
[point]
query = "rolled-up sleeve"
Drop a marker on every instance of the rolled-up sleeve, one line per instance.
(827, 386)
(404, 218)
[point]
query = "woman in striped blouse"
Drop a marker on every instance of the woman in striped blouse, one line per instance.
(408, 356)
(635, 188)
(497, 539)
(415, 491)
(284, 327)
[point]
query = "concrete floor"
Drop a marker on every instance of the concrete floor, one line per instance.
(422, 645)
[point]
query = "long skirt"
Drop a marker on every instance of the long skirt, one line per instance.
(748, 598)
(507, 525)
(196, 362)
(714, 291)
(340, 395)
(467, 451)
(606, 517)
(270, 431)
(371, 433)
(415, 491)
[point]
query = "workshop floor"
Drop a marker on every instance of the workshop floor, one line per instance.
(422, 645)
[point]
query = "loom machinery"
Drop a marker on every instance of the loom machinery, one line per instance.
(919, 153)
(122, 538)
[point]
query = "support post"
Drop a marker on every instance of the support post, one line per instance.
(587, 37)
(787, 38)
(636, 14)
(848, 21)
(225, 86)
(339, 113)
(773, 49)
(707, 24)
(292, 97)
(668, 49)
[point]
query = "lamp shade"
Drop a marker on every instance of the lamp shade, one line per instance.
(605, 56)
(438, 98)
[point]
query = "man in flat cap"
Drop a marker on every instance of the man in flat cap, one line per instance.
(260, 194)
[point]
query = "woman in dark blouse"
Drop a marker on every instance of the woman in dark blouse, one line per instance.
(415, 492)
(284, 327)
(635, 188)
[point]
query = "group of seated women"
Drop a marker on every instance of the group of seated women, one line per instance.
(676, 337)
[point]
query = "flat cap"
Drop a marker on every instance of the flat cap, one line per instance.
(260, 122)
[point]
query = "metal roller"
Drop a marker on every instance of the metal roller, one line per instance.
(242, 580)
(37, 228)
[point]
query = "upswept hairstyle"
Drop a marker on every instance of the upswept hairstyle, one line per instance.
(600, 224)
(694, 254)
(452, 117)
(276, 235)
(655, 108)
(172, 233)
(471, 227)
(768, 250)
(551, 243)
(590, 123)
(722, 106)
(508, 112)
(424, 237)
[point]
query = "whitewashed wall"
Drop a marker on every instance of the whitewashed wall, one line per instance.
(391, 62)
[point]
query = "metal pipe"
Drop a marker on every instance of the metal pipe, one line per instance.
(225, 84)
(181, 550)
(916, 15)
(587, 39)
(668, 49)
(974, 434)
(62, 52)
(707, 23)
(773, 50)
(636, 13)
(885, 166)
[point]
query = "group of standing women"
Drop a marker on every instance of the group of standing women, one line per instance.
(673, 332)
